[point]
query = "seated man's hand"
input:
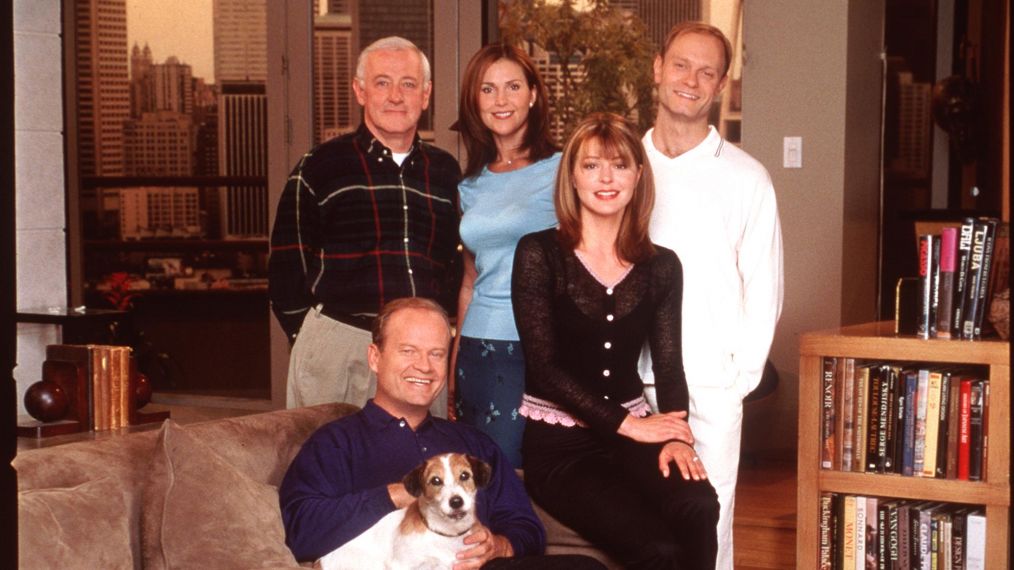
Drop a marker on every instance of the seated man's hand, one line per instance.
(483, 547)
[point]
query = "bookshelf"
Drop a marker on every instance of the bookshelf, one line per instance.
(877, 341)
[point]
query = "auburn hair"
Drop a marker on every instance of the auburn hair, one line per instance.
(477, 137)
(617, 138)
(693, 27)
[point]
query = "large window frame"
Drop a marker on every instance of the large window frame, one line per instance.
(458, 32)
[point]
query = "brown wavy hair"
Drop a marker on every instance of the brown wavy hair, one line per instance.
(617, 137)
(476, 136)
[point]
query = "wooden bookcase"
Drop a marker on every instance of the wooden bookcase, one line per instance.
(877, 341)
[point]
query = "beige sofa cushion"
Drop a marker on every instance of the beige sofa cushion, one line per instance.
(199, 511)
(85, 526)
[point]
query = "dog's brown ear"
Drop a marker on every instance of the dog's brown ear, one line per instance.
(414, 480)
(481, 471)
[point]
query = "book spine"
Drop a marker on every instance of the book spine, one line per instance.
(984, 281)
(971, 305)
(925, 284)
(958, 540)
(942, 433)
(848, 410)
(827, 406)
(948, 264)
(115, 391)
(961, 281)
(860, 533)
(862, 397)
(872, 534)
(904, 536)
(837, 530)
(934, 541)
(893, 536)
(924, 538)
(921, 399)
(964, 428)
(873, 415)
(826, 544)
(883, 418)
(897, 449)
(850, 534)
(975, 541)
(934, 285)
(908, 445)
(975, 431)
(883, 537)
(889, 419)
(929, 464)
(953, 407)
(839, 416)
(985, 428)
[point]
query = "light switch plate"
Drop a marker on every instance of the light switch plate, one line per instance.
(792, 152)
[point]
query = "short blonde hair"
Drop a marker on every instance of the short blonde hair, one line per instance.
(617, 137)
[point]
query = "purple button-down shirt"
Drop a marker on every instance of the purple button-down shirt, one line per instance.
(336, 487)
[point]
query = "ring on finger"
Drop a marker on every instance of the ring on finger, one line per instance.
(695, 459)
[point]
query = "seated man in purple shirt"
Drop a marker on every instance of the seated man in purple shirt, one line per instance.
(347, 475)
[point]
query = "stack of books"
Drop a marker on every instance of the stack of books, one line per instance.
(871, 532)
(909, 419)
(107, 376)
(957, 274)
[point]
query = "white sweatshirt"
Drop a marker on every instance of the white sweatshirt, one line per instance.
(715, 206)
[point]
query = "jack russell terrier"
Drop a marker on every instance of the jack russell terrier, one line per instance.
(430, 531)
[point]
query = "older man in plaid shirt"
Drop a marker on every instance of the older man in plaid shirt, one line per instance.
(364, 218)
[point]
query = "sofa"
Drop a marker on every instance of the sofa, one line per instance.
(197, 496)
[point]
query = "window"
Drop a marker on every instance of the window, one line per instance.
(175, 128)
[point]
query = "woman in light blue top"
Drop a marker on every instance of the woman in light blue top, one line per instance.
(507, 192)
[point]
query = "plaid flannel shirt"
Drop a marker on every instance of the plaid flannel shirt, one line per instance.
(354, 230)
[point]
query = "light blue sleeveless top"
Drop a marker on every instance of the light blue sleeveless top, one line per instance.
(497, 209)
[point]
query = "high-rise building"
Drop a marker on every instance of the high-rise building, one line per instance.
(140, 69)
(333, 101)
(914, 126)
(333, 6)
(159, 143)
(155, 87)
(103, 88)
(241, 40)
(159, 213)
(242, 151)
(659, 16)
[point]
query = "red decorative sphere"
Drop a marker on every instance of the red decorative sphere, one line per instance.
(142, 390)
(46, 401)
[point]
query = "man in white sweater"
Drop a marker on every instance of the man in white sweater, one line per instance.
(715, 206)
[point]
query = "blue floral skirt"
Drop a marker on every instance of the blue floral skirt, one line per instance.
(489, 382)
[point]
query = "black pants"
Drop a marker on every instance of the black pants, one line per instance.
(610, 491)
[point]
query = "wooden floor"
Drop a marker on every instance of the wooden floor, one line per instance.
(764, 529)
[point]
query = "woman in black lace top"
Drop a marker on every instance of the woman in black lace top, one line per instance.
(587, 296)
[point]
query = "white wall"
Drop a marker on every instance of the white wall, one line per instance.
(38, 141)
(812, 70)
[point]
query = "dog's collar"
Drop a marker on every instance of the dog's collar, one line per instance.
(431, 529)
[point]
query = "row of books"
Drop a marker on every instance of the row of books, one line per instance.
(870, 533)
(955, 268)
(107, 377)
(913, 420)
